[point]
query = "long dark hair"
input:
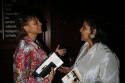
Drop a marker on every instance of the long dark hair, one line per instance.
(101, 26)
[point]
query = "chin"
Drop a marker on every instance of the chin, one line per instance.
(40, 32)
(82, 40)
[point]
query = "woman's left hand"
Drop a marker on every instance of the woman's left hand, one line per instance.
(60, 51)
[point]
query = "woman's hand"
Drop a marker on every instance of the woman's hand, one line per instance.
(74, 81)
(60, 51)
(64, 69)
(52, 74)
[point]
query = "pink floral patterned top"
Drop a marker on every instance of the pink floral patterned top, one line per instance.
(28, 55)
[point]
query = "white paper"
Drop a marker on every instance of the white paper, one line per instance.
(68, 78)
(53, 58)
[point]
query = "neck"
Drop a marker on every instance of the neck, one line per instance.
(90, 44)
(32, 37)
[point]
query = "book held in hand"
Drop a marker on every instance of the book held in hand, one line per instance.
(45, 68)
(73, 75)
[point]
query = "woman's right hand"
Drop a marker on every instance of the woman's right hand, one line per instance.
(64, 69)
(52, 74)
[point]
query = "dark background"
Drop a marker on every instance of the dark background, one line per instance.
(66, 19)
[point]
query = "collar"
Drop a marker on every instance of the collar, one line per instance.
(28, 40)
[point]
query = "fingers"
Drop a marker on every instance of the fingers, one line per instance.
(52, 71)
(73, 81)
(58, 47)
(52, 74)
(61, 52)
(64, 69)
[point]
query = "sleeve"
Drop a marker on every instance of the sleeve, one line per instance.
(21, 70)
(109, 71)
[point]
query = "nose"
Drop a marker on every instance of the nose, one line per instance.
(80, 29)
(40, 24)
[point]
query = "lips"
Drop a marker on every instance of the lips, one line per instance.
(39, 28)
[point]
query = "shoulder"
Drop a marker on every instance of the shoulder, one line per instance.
(23, 44)
(107, 53)
(104, 51)
(104, 48)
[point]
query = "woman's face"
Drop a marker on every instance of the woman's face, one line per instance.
(34, 26)
(85, 32)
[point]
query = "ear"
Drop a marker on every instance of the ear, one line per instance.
(93, 34)
(94, 31)
(26, 28)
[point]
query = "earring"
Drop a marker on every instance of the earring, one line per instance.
(92, 36)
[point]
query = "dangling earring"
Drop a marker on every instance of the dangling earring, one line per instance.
(92, 36)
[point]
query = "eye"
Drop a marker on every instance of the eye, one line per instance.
(83, 27)
(36, 22)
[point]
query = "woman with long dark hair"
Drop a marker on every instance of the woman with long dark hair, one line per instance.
(96, 62)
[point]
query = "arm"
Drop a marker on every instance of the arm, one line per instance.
(21, 69)
(109, 70)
